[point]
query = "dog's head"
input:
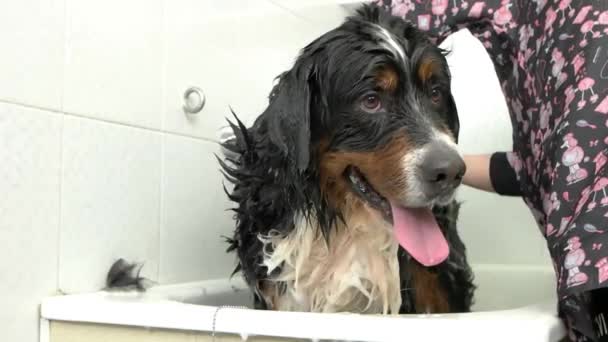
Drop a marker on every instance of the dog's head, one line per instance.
(367, 108)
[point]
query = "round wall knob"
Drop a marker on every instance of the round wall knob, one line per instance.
(194, 100)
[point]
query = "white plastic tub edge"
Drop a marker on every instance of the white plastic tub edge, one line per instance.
(166, 307)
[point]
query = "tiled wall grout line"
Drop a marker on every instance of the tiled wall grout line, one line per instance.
(76, 115)
(289, 10)
(60, 195)
(61, 140)
(161, 197)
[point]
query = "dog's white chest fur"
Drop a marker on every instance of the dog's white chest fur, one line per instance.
(357, 271)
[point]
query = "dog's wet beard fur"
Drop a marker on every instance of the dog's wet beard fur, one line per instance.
(314, 174)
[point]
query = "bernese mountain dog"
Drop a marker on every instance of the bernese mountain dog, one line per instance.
(344, 186)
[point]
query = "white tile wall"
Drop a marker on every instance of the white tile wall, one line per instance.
(186, 25)
(110, 201)
(77, 192)
(325, 14)
(194, 213)
(113, 64)
(30, 149)
(236, 56)
(31, 61)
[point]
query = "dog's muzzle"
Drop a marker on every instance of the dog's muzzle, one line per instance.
(440, 170)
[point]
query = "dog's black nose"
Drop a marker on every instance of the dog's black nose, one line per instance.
(442, 168)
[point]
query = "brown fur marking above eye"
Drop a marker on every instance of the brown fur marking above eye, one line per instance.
(387, 79)
(430, 296)
(383, 169)
(428, 67)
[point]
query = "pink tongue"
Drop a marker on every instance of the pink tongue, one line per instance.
(418, 233)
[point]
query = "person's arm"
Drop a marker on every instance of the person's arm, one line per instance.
(492, 173)
(478, 172)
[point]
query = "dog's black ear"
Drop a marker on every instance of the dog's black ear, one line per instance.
(454, 120)
(288, 116)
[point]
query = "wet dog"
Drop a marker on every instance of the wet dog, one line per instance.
(345, 184)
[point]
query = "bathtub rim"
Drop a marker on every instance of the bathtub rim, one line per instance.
(536, 322)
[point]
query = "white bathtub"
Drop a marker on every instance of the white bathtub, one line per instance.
(514, 303)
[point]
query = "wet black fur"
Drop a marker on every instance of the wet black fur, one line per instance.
(274, 167)
(126, 276)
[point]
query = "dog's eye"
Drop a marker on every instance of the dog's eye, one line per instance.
(371, 103)
(436, 95)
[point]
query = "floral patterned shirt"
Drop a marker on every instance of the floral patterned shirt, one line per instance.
(551, 58)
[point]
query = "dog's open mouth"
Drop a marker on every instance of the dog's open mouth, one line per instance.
(415, 229)
(361, 187)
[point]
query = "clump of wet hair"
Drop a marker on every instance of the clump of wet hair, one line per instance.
(126, 276)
